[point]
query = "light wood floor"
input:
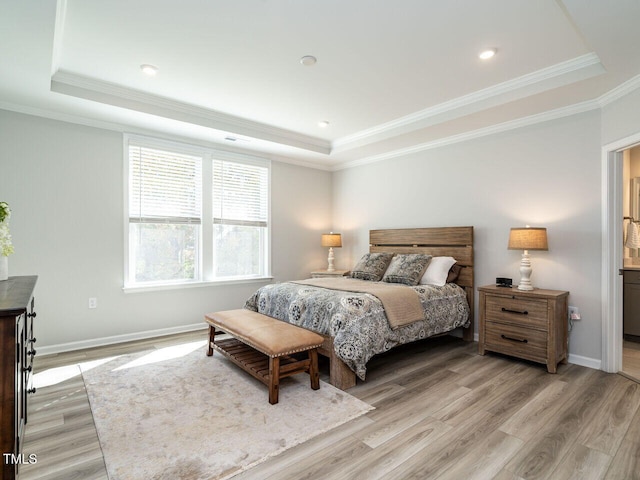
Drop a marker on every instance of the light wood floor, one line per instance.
(442, 411)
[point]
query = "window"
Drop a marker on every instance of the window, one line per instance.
(239, 218)
(194, 215)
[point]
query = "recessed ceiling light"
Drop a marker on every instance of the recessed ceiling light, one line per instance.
(308, 60)
(323, 124)
(149, 69)
(487, 54)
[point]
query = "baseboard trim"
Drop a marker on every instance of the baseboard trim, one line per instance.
(129, 337)
(585, 361)
(101, 342)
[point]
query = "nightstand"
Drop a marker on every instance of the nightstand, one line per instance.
(527, 324)
(325, 274)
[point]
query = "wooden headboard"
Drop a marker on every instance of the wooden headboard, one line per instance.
(456, 242)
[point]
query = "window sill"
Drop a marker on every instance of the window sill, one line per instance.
(180, 286)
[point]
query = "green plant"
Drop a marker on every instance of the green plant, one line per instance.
(6, 248)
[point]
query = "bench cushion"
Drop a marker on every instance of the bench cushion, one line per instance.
(266, 334)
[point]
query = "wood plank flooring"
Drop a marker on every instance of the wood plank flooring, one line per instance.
(442, 412)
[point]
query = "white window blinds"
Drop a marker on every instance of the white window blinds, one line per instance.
(165, 187)
(240, 194)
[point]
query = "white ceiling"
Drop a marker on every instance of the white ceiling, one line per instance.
(391, 77)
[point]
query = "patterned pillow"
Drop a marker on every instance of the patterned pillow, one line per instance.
(407, 269)
(371, 266)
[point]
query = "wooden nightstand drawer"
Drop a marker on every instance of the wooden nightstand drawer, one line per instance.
(521, 342)
(529, 324)
(521, 311)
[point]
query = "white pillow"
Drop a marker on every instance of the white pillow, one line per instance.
(437, 271)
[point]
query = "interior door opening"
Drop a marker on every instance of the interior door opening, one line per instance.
(631, 263)
(613, 251)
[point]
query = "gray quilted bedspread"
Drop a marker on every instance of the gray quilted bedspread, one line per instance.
(357, 321)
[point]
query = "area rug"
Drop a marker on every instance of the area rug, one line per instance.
(174, 413)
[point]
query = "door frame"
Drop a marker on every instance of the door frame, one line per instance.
(612, 248)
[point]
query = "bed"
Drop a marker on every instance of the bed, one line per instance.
(354, 323)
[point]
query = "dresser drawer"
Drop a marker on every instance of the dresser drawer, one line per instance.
(518, 310)
(514, 340)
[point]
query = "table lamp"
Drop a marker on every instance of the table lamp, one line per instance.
(331, 240)
(527, 238)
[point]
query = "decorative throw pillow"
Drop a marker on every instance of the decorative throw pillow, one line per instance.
(437, 271)
(371, 266)
(407, 269)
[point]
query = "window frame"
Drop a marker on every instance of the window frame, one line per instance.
(205, 265)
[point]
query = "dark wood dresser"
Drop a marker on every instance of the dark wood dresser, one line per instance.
(16, 363)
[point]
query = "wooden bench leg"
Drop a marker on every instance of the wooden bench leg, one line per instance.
(274, 379)
(313, 369)
(212, 335)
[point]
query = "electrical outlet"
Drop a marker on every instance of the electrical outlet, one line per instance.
(93, 302)
(574, 314)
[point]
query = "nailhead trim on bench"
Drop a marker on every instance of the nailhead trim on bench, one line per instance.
(212, 321)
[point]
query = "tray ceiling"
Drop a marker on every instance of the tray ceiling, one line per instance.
(390, 77)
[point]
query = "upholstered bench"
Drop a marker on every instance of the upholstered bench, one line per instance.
(262, 346)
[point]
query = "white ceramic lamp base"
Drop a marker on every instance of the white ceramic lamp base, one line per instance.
(331, 268)
(525, 272)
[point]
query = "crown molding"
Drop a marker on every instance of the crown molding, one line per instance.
(602, 101)
(116, 95)
(128, 129)
(58, 34)
(482, 132)
(619, 91)
(578, 68)
(62, 117)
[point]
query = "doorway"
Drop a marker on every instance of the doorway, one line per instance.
(613, 252)
(631, 263)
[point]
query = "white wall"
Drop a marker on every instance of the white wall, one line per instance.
(64, 183)
(621, 119)
(543, 175)
(301, 212)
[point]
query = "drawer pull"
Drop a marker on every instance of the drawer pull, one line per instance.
(521, 340)
(515, 311)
